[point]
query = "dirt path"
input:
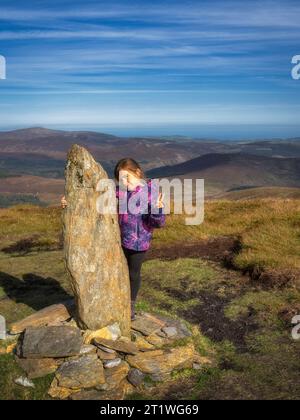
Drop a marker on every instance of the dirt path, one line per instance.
(216, 249)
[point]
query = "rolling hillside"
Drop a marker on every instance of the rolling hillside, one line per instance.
(39, 144)
(261, 193)
(40, 151)
(232, 171)
(32, 161)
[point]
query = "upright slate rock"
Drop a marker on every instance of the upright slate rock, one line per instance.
(93, 252)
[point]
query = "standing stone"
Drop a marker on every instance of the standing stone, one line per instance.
(93, 253)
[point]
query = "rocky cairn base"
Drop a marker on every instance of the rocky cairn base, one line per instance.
(101, 365)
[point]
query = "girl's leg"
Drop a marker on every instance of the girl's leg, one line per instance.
(135, 265)
(135, 260)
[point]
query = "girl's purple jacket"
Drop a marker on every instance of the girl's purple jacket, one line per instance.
(137, 219)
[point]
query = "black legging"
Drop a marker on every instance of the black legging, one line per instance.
(135, 260)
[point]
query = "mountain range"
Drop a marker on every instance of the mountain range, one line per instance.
(232, 171)
(32, 160)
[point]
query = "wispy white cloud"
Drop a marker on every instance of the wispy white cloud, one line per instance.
(201, 113)
(151, 35)
(256, 13)
(155, 59)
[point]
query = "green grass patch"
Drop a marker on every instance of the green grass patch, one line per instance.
(172, 285)
(9, 372)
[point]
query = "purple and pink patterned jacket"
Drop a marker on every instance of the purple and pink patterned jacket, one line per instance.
(137, 224)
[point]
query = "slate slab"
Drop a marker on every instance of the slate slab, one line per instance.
(50, 342)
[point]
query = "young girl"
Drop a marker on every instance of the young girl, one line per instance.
(136, 228)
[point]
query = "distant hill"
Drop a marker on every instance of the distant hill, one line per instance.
(38, 155)
(37, 151)
(48, 190)
(235, 170)
(40, 143)
(272, 148)
(261, 192)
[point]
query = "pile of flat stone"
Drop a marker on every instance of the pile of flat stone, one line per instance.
(102, 364)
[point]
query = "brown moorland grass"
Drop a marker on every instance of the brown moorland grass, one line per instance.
(244, 327)
(268, 229)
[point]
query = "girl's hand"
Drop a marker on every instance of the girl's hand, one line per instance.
(160, 203)
(64, 202)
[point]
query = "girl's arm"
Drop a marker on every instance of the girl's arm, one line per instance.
(157, 219)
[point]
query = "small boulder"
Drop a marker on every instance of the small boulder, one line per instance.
(85, 372)
(159, 361)
(170, 332)
(114, 376)
(103, 355)
(197, 366)
(60, 393)
(182, 330)
(112, 332)
(105, 349)
(53, 315)
(122, 345)
(117, 393)
(37, 368)
(156, 340)
(47, 342)
(147, 324)
(27, 383)
(87, 349)
(109, 364)
(143, 345)
(136, 377)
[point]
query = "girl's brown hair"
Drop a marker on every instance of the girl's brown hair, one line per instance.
(129, 165)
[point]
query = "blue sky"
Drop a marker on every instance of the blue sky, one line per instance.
(174, 62)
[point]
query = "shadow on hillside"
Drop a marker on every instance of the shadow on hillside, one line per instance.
(34, 291)
(33, 243)
(210, 315)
